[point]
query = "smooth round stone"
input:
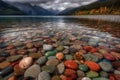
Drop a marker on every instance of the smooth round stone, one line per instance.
(106, 66)
(4, 64)
(78, 47)
(116, 72)
(49, 68)
(59, 55)
(56, 78)
(70, 73)
(2, 59)
(90, 57)
(92, 65)
(22, 51)
(100, 78)
(108, 56)
(42, 60)
(17, 43)
(14, 58)
(10, 47)
(47, 47)
(68, 57)
(32, 50)
(71, 64)
(53, 62)
(61, 68)
(13, 52)
(32, 71)
(92, 74)
(35, 55)
(117, 76)
(85, 78)
(29, 45)
(80, 73)
(103, 51)
(65, 51)
(83, 67)
(103, 74)
(59, 48)
(43, 76)
(25, 62)
(50, 53)
(51, 57)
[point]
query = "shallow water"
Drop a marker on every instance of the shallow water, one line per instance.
(50, 30)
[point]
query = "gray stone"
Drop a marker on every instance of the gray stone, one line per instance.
(43, 76)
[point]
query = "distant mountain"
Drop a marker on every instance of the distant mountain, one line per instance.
(30, 9)
(6, 9)
(111, 4)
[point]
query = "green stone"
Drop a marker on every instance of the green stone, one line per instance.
(50, 53)
(48, 68)
(42, 60)
(68, 57)
(92, 74)
(83, 67)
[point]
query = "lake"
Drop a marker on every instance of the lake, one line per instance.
(75, 33)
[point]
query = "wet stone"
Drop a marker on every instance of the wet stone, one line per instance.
(29, 45)
(80, 73)
(90, 57)
(83, 67)
(42, 60)
(55, 78)
(4, 64)
(103, 74)
(92, 74)
(60, 68)
(47, 47)
(32, 71)
(14, 58)
(43, 76)
(35, 55)
(53, 62)
(68, 57)
(49, 68)
(85, 78)
(106, 66)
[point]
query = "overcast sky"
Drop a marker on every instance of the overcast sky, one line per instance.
(55, 4)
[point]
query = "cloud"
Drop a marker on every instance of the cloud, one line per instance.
(57, 5)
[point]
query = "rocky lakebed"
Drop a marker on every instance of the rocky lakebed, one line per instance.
(58, 52)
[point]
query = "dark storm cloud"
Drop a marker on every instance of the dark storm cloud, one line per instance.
(56, 4)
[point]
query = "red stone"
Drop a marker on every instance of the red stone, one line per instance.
(112, 77)
(108, 57)
(116, 64)
(71, 64)
(93, 50)
(10, 47)
(69, 72)
(88, 48)
(92, 65)
(117, 76)
(70, 76)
